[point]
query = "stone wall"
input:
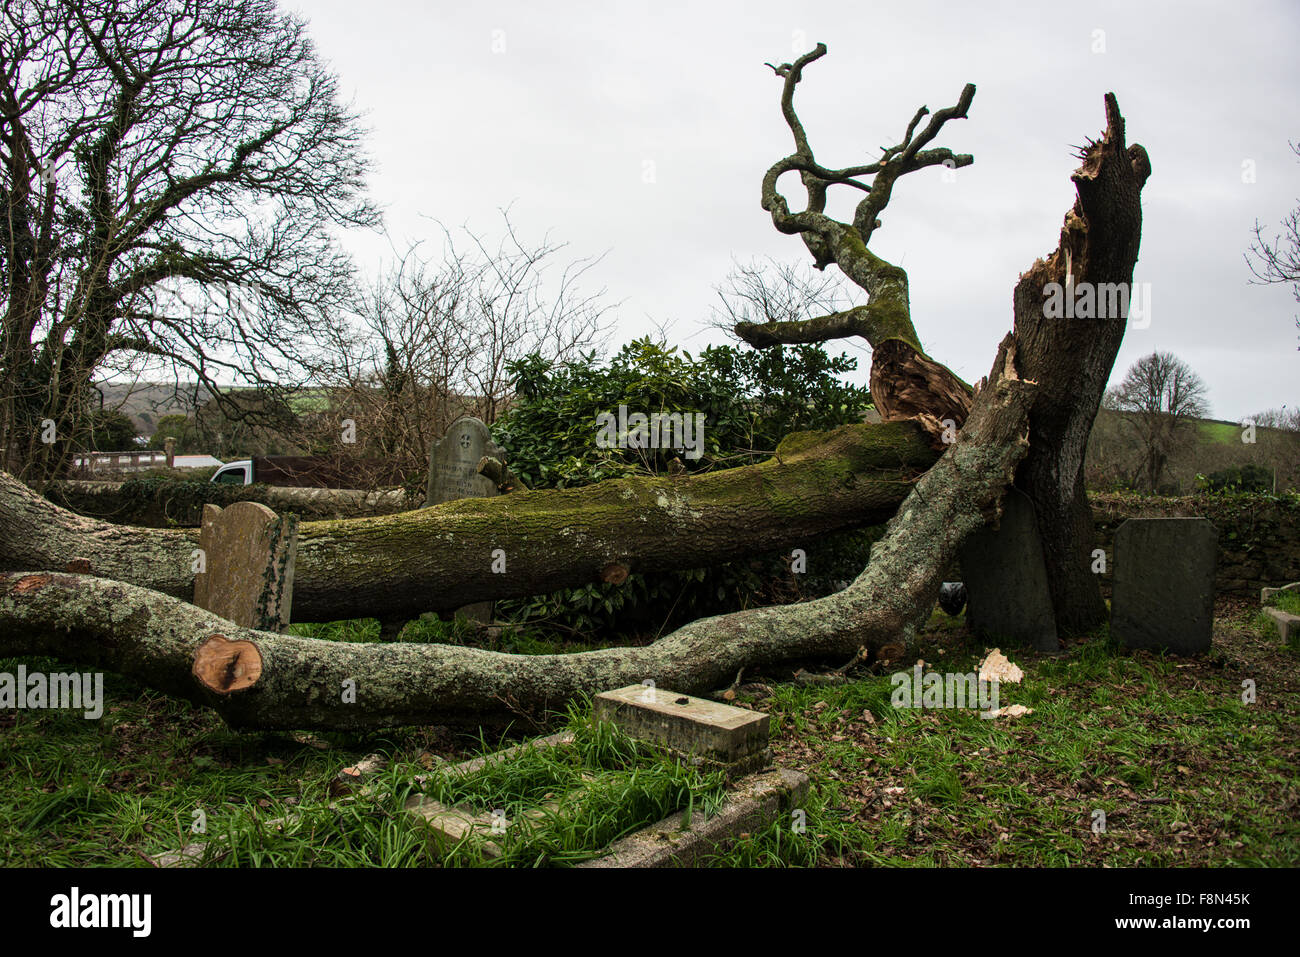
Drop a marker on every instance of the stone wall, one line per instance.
(1259, 536)
(155, 503)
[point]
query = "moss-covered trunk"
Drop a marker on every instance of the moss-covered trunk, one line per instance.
(444, 557)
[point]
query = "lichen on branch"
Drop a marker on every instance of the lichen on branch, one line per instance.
(887, 316)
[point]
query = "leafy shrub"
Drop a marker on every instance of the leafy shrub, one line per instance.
(1245, 478)
(750, 400)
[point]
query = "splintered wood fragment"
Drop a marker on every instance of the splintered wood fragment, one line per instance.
(226, 666)
(30, 583)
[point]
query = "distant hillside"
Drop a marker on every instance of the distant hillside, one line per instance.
(1115, 456)
(147, 402)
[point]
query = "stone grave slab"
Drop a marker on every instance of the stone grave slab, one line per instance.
(735, 737)
(716, 732)
(1162, 596)
(453, 474)
(248, 559)
(753, 801)
(1266, 593)
(1288, 625)
(1006, 579)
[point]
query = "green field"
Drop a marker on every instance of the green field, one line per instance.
(1221, 433)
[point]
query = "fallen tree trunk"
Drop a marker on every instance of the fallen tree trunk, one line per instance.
(262, 680)
(441, 558)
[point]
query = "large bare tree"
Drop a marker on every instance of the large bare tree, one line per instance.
(1159, 399)
(435, 338)
(1278, 260)
(169, 171)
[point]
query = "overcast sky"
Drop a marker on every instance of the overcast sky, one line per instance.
(560, 109)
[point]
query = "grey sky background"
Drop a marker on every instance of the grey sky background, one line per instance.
(556, 110)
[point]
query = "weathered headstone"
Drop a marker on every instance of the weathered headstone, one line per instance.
(1006, 579)
(453, 463)
(453, 474)
(1162, 597)
(248, 555)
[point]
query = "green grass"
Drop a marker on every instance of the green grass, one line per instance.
(587, 795)
(1186, 772)
(1266, 627)
(1288, 601)
(1219, 433)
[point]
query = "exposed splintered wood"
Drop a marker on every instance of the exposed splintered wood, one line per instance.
(226, 666)
(908, 384)
(441, 558)
(308, 683)
(1071, 359)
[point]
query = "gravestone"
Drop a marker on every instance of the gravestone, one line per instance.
(1006, 579)
(248, 555)
(1162, 596)
(453, 463)
(724, 735)
(453, 474)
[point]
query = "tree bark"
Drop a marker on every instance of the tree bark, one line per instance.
(441, 558)
(261, 680)
(1071, 360)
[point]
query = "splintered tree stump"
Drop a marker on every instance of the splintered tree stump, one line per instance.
(226, 666)
(1070, 359)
